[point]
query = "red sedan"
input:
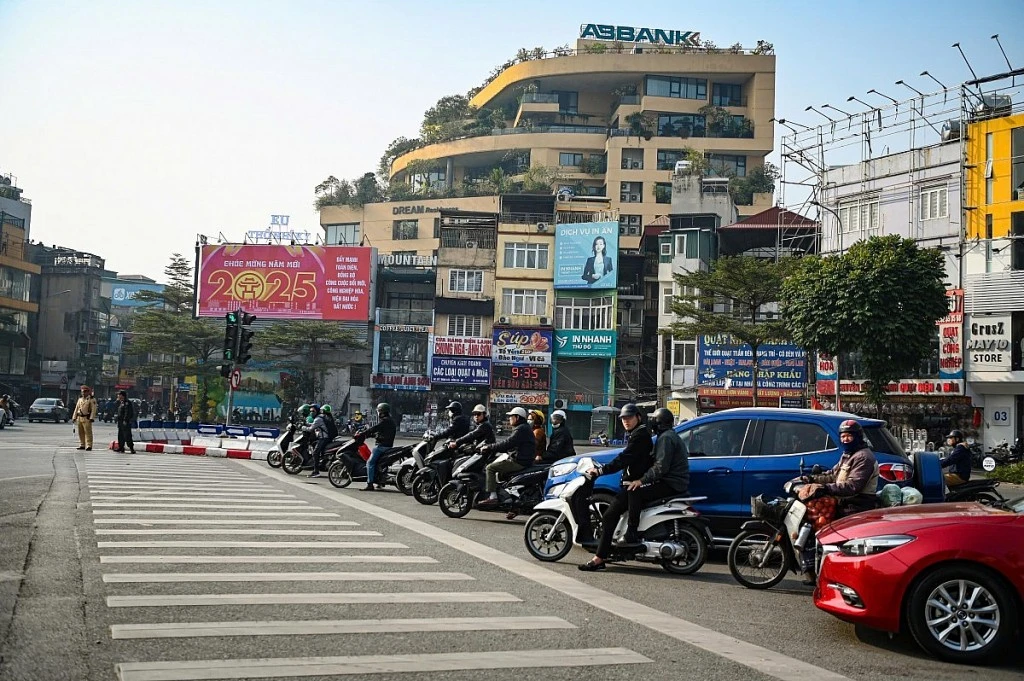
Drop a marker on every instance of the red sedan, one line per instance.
(953, 574)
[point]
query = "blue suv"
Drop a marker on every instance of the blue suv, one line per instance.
(740, 453)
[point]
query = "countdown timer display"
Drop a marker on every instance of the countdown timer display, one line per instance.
(520, 378)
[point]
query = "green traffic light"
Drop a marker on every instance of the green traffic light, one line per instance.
(232, 317)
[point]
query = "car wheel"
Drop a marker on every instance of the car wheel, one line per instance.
(962, 613)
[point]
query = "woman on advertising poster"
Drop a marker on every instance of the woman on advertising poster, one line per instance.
(599, 264)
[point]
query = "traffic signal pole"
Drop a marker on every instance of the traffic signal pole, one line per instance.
(237, 344)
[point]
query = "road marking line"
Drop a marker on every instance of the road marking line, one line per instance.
(252, 514)
(260, 504)
(348, 598)
(357, 627)
(160, 488)
(26, 477)
(175, 577)
(249, 530)
(250, 545)
(204, 560)
(232, 507)
(755, 657)
(115, 479)
(175, 501)
(172, 495)
(224, 521)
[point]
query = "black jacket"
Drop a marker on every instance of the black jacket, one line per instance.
(521, 443)
(559, 444)
(960, 461)
(482, 433)
(384, 432)
(460, 425)
(671, 463)
(636, 458)
(126, 413)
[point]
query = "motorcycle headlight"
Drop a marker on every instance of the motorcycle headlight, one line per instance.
(871, 545)
(554, 491)
(560, 469)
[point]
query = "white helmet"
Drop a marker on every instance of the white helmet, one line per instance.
(479, 409)
(559, 413)
(518, 411)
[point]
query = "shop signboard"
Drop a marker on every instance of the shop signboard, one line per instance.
(586, 255)
(413, 382)
(460, 371)
(989, 344)
(522, 346)
(286, 282)
(722, 358)
(907, 387)
(461, 346)
(951, 345)
(585, 343)
(124, 294)
(51, 371)
(528, 378)
(525, 398)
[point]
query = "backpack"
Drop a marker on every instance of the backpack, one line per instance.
(332, 426)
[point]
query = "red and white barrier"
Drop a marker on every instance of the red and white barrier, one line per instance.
(190, 450)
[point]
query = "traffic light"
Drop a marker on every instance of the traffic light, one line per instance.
(225, 370)
(231, 338)
(245, 335)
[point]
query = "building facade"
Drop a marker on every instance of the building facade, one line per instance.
(19, 371)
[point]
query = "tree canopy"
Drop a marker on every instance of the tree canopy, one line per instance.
(298, 347)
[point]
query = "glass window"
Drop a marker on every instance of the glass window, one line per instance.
(524, 301)
(345, 234)
(568, 102)
(466, 281)
(684, 353)
(18, 361)
(718, 438)
(435, 179)
(465, 325)
(667, 158)
(402, 230)
(728, 165)
(526, 256)
(663, 192)
(933, 203)
(666, 248)
(680, 244)
(668, 295)
(860, 217)
(680, 88)
(570, 159)
(402, 353)
(794, 437)
(1017, 171)
(725, 94)
(584, 313)
(681, 125)
(988, 242)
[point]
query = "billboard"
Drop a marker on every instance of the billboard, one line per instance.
(460, 371)
(123, 294)
(413, 382)
(286, 282)
(460, 346)
(587, 255)
(721, 357)
(522, 346)
(523, 397)
(586, 343)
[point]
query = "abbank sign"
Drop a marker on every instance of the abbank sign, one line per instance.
(632, 34)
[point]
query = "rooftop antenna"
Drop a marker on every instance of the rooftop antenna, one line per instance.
(945, 90)
(981, 95)
(851, 98)
(907, 85)
(1008, 65)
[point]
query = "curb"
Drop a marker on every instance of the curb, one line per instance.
(189, 450)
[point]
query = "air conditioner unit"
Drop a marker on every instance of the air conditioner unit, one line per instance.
(634, 219)
(563, 196)
(503, 320)
(634, 230)
(545, 321)
(625, 164)
(624, 187)
(542, 227)
(559, 404)
(622, 230)
(637, 164)
(624, 197)
(634, 197)
(470, 244)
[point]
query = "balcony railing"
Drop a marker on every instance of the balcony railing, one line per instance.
(524, 218)
(538, 98)
(468, 238)
(409, 317)
(578, 129)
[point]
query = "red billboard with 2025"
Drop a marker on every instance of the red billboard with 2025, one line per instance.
(286, 282)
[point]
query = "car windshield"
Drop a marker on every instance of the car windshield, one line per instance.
(44, 403)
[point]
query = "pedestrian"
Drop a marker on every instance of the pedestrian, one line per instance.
(125, 421)
(85, 414)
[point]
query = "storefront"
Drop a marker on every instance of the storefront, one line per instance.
(520, 370)
(584, 376)
(992, 349)
(460, 371)
(725, 374)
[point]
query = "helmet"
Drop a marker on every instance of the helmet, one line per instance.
(455, 408)
(538, 417)
(956, 435)
(304, 410)
(309, 418)
(518, 411)
(358, 413)
(326, 409)
(315, 407)
(663, 419)
(480, 409)
(851, 426)
(384, 408)
(629, 410)
(558, 413)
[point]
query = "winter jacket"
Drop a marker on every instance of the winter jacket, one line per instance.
(484, 432)
(319, 427)
(559, 445)
(542, 442)
(854, 479)
(459, 426)
(671, 463)
(125, 413)
(960, 460)
(384, 432)
(636, 458)
(521, 443)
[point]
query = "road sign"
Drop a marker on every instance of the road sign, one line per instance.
(236, 379)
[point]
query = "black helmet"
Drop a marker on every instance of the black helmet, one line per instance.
(629, 410)
(851, 426)
(956, 435)
(455, 408)
(384, 408)
(663, 419)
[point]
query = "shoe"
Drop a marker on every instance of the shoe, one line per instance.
(487, 503)
(315, 474)
(80, 447)
(368, 488)
(592, 566)
(131, 451)
(119, 451)
(511, 515)
(88, 449)
(810, 579)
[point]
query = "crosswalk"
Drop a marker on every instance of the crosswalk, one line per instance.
(210, 573)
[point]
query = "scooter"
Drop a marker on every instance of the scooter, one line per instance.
(297, 454)
(517, 495)
(458, 495)
(435, 469)
(673, 535)
(349, 464)
(275, 457)
(983, 491)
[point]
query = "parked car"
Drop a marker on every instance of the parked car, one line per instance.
(737, 454)
(48, 409)
(952, 574)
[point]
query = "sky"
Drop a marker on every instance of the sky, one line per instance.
(135, 126)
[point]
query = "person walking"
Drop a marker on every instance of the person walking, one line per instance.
(125, 416)
(85, 414)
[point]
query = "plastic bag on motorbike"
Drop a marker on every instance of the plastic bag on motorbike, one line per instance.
(821, 511)
(912, 496)
(890, 495)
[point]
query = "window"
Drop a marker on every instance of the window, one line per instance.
(345, 234)
(989, 179)
(684, 353)
(988, 242)
(568, 102)
(681, 244)
(681, 125)
(724, 94)
(666, 248)
(466, 281)
(663, 192)
(668, 295)
(667, 158)
(357, 377)
(728, 165)
(584, 313)
(717, 438)
(1017, 170)
(570, 159)
(860, 217)
(680, 88)
(435, 179)
(524, 301)
(526, 256)
(793, 437)
(933, 203)
(465, 325)
(402, 230)
(402, 353)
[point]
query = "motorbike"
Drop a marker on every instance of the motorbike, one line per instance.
(983, 491)
(1003, 453)
(297, 454)
(434, 469)
(349, 464)
(275, 457)
(517, 495)
(672, 533)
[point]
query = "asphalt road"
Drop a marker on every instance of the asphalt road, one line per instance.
(169, 567)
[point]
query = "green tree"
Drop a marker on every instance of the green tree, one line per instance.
(299, 347)
(746, 286)
(758, 180)
(446, 118)
(399, 146)
(881, 298)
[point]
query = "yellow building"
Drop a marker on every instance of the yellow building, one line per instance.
(17, 275)
(995, 178)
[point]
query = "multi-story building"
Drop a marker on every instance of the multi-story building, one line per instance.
(993, 257)
(18, 306)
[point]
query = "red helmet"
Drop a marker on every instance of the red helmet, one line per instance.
(851, 426)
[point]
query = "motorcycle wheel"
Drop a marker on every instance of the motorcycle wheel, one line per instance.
(745, 554)
(696, 553)
(988, 499)
(292, 463)
(404, 480)
(275, 458)
(538, 527)
(455, 501)
(339, 475)
(425, 489)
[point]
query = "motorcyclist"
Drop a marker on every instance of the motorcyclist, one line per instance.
(484, 431)
(459, 426)
(319, 428)
(384, 432)
(634, 461)
(959, 460)
(560, 443)
(521, 444)
(327, 412)
(536, 421)
(356, 423)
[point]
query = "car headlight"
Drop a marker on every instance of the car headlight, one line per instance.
(555, 491)
(560, 469)
(871, 545)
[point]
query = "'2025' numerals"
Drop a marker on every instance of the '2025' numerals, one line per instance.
(276, 286)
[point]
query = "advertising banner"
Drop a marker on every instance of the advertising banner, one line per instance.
(721, 357)
(908, 387)
(522, 346)
(401, 382)
(51, 371)
(989, 343)
(951, 341)
(109, 366)
(528, 399)
(587, 255)
(526, 378)
(123, 294)
(585, 343)
(286, 282)
(459, 346)
(460, 371)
